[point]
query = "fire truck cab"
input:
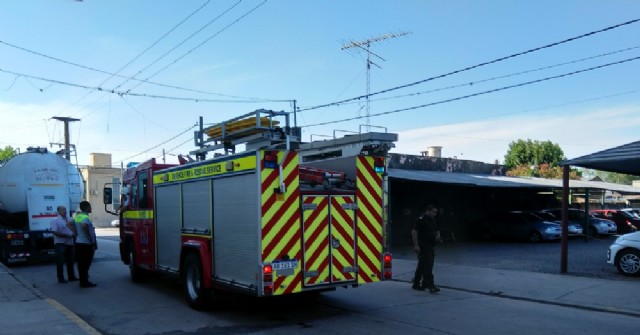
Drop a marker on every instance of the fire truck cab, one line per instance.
(281, 217)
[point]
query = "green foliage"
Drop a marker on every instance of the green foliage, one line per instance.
(6, 153)
(533, 153)
(542, 171)
(617, 178)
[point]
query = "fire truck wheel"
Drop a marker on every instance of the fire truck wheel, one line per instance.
(197, 296)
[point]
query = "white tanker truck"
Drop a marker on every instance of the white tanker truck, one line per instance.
(32, 185)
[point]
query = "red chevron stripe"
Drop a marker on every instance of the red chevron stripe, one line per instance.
(291, 222)
(365, 258)
(323, 265)
(289, 201)
(374, 227)
(293, 285)
(362, 238)
(348, 257)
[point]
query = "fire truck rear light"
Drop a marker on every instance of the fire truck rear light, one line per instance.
(378, 164)
(267, 279)
(270, 159)
(268, 289)
(387, 258)
(387, 274)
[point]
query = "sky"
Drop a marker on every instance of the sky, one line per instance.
(468, 76)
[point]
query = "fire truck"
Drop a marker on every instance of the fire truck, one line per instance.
(277, 218)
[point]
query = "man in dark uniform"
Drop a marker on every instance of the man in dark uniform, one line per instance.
(425, 234)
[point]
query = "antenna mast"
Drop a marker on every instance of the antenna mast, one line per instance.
(365, 45)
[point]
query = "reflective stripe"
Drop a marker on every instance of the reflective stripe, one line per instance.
(369, 220)
(281, 229)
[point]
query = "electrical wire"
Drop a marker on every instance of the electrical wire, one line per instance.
(180, 44)
(472, 83)
(204, 42)
(111, 75)
(123, 93)
(158, 145)
(479, 93)
(476, 66)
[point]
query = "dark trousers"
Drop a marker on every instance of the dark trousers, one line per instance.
(84, 256)
(424, 271)
(64, 255)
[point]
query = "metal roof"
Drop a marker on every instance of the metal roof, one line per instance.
(622, 159)
(479, 180)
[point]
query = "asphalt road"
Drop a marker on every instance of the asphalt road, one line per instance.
(585, 257)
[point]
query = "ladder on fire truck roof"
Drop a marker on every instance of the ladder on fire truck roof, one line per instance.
(259, 129)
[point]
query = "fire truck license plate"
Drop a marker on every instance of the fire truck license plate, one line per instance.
(284, 265)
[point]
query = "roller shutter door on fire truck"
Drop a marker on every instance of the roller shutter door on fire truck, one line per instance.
(329, 239)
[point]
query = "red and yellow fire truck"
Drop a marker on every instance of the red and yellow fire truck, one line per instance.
(281, 217)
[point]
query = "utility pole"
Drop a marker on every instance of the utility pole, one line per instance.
(67, 146)
(365, 45)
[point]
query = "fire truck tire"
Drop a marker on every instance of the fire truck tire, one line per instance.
(198, 296)
(137, 274)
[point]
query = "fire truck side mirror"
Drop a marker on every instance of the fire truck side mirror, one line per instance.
(108, 195)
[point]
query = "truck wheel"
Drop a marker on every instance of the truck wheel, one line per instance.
(193, 282)
(137, 274)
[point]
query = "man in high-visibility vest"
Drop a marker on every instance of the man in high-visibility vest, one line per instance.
(85, 243)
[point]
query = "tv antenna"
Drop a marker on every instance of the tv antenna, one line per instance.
(366, 46)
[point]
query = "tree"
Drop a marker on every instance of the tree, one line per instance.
(617, 178)
(6, 153)
(535, 159)
(533, 153)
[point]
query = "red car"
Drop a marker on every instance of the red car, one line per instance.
(626, 220)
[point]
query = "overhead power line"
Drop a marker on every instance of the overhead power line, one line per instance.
(111, 75)
(477, 65)
(120, 76)
(205, 41)
(180, 44)
(159, 145)
(479, 93)
(471, 83)
(155, 96)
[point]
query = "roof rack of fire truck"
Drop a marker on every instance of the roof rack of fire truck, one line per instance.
(259, 129)
(349, 145)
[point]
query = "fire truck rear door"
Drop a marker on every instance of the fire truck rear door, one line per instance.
(329, 239)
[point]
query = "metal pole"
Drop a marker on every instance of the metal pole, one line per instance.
(67, 146)
(565, 218)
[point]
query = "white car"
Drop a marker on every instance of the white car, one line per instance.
(624, 253)
(115, 223)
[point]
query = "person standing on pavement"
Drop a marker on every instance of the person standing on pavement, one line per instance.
(425, 234)
(86, 243)
(63, 232)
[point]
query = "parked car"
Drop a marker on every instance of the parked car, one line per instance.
(115, 223)
(573, 228)
(626, 221)
(519, 225)
(624, 253)
(635, 211)
(597, 226)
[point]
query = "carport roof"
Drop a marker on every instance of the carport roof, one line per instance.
(480, 180)
(622, 159)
